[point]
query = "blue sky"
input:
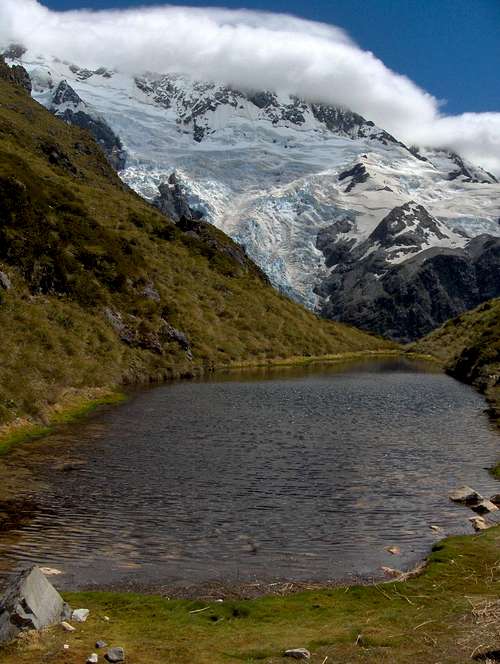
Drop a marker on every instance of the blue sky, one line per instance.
(451, 48)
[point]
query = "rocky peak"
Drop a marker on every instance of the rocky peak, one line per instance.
(469, 172)
(409, 226)
(355, 175)
(69, 106)
(64, 94)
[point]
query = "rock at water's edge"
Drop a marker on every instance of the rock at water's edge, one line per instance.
(484, 507)
(466, 496)
(30, 602)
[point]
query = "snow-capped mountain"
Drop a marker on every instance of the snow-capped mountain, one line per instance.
(307, 189)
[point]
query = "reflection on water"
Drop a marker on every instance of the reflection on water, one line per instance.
(297, 473)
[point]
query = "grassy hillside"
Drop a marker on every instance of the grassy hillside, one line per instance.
(105, 290)
(469, 346)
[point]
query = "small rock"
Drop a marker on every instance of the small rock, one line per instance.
(67, 627)
(92, 659)
(151, 293)
(50, 571)
(297, 653)
(496, 499)
(5, 282)
(394, 550)
(80, 615)
(465, 496)
(478, 523)
(106, 618)
(436, 529)
(100, 644)
(484, 507)
(66, 612)
(115, 655)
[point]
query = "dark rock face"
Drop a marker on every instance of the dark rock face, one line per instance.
(468, 173)
(68, 105)
(405, 299)
(358, 175)
(104, 135)
(344, 121)
(172, 201)
(15, 74)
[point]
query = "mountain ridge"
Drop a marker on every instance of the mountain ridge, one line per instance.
(275, 172)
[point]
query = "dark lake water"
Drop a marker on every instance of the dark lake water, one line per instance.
(287, 474)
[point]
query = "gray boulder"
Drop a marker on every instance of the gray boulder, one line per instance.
(5, 282)
(115, 655)
(30, 602)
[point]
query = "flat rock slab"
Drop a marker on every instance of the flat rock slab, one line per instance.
(30, 602)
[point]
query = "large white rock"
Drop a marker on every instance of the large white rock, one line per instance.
(80, 615)
(30, 602)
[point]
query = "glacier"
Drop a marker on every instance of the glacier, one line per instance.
(273, 171)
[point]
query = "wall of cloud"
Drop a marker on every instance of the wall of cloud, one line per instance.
(253, 50)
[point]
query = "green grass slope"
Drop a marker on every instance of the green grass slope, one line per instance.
(103, 284)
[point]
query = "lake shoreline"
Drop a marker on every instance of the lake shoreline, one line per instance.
(78, 404)
(405, 621)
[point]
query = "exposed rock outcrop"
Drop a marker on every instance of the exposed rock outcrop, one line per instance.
(172, 201)
(67, 105)
(16, 74)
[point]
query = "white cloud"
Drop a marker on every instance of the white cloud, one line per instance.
(253, 50)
